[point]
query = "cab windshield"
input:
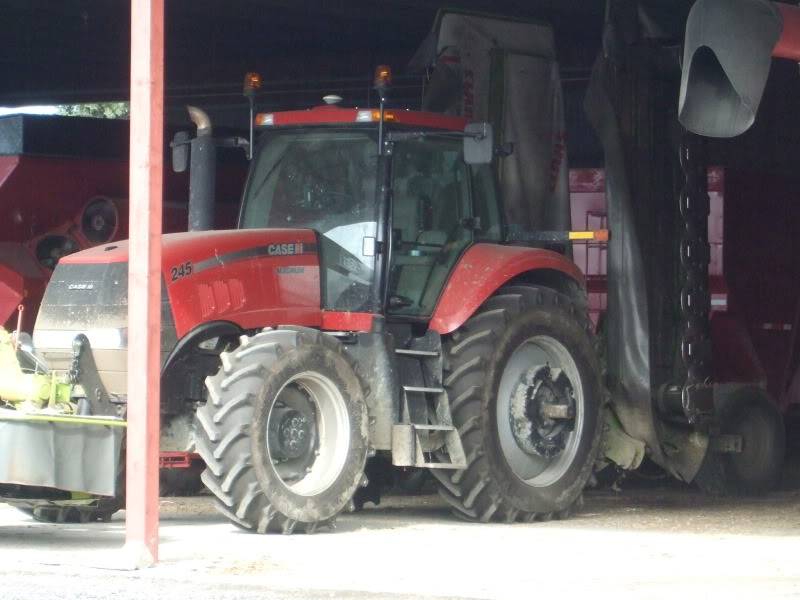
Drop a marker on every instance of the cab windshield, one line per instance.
(323, 180)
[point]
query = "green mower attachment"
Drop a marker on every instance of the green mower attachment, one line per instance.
(48, 436)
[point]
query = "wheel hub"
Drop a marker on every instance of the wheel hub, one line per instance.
(292, 429)
(293, 434)
(542, 411)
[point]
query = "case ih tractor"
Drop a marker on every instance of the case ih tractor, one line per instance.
(381, 295)
(366, 304)
(369, 302)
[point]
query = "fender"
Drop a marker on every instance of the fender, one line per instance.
(202, 332)
(482, 270)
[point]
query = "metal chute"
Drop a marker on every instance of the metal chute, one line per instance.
(727, 55)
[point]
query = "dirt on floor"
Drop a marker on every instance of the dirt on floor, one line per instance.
(643, 537)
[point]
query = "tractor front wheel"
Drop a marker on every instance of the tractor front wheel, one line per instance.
(525, 395)
(284, 433)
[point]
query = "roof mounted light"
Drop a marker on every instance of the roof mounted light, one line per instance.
(383, 81)
(265, 120)
(252, 83)
(373, 116)
(383, 78)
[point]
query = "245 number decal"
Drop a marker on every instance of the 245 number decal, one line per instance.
(182, 270)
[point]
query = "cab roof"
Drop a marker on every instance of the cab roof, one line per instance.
(333, 115)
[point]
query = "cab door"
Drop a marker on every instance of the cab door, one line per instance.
(432, 221)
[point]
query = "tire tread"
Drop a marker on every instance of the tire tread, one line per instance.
(471, 493)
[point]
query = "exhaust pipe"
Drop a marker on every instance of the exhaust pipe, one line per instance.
(202, 172)
(726, 61)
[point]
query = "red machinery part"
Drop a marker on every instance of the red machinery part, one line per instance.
(347, 321)
(485, 268)
(788, 45)
(12, 291)
(178, 460)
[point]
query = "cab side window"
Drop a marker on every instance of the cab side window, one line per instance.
(487, 207)
(431, 210)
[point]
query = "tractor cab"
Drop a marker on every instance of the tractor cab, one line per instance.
(392, 219)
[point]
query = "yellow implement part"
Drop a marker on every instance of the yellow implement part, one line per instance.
(16, 385)
(15, 415)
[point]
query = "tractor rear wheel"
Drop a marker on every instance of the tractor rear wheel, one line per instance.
(751, 414)
(525, 395)
(284, 434)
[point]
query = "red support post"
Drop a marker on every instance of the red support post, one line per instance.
(144, 279)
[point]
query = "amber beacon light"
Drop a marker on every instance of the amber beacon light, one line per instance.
(383, 77)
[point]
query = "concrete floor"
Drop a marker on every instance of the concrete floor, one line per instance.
(642, 543)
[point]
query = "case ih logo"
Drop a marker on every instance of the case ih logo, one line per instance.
(80, 286)
(223, 260)
(285, 249)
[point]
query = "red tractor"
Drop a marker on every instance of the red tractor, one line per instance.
(379, 296)
(367, 303)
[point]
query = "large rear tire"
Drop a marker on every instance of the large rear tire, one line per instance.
(524, 388)
(285, 431)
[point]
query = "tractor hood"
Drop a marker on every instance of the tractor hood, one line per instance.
(252, 277)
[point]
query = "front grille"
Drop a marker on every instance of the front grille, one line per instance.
(79, 285)
(93, 300)
(91, 297)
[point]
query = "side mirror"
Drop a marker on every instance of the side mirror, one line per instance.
(726, 62)
(478, 144)
(180, 151)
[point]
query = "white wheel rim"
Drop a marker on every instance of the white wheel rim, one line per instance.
(538, 351)
(332, 435)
